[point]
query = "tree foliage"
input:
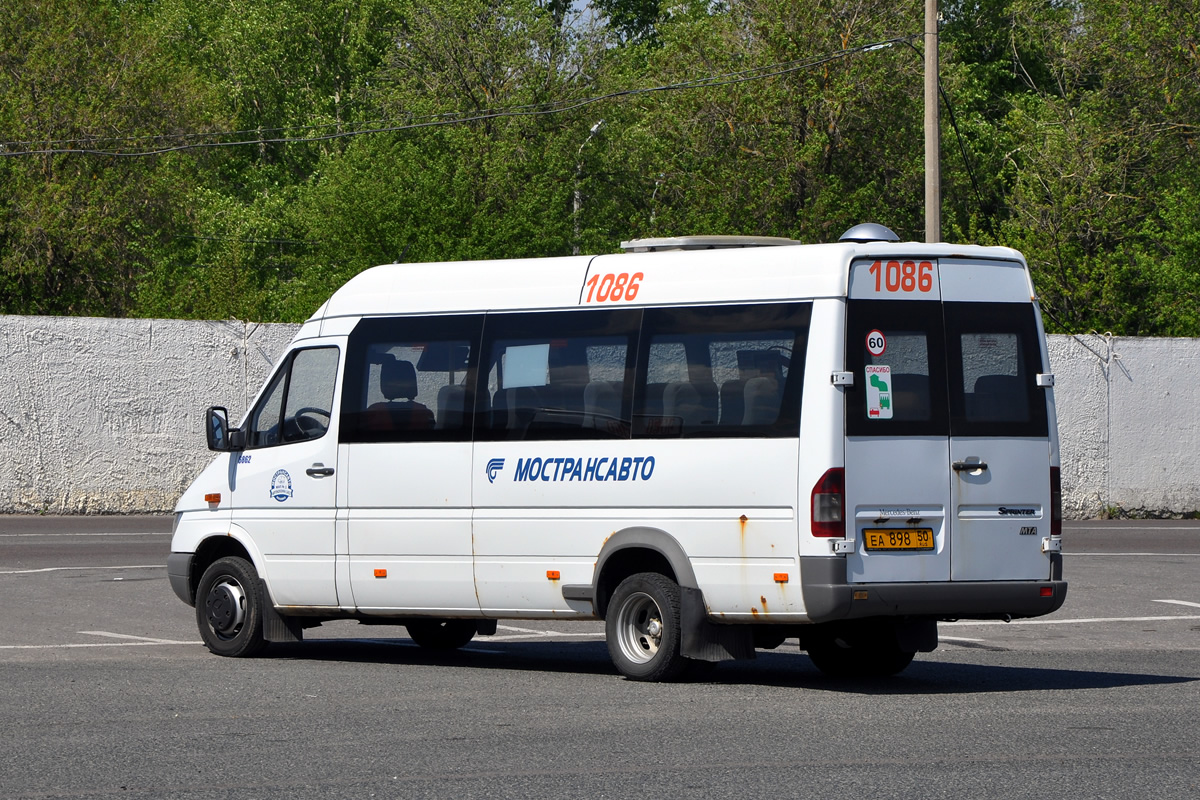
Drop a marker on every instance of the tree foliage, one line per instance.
(296, 144)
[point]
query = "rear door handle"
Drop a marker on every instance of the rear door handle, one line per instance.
(969, 466)
(319, 471)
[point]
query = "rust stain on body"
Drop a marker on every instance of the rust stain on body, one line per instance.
(764, 603)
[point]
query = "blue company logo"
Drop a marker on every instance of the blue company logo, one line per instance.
(494, 466)
(579, 469)
(281, 485)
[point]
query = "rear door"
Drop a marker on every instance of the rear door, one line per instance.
(999, 432)
(947, 452)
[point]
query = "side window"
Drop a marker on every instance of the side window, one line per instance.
(722, 371)
(557, 375)
(897, 354)
(298, 403)
(410, 379)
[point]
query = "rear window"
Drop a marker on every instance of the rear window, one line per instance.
(924, 368)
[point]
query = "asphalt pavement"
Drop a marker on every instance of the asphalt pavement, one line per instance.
(108, 693)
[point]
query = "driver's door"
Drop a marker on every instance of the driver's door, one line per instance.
(284, 483)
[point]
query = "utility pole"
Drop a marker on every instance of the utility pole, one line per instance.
(933, 166)
(578, 204)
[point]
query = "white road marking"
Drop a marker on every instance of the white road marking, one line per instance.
(156, 643)
(1115, 528)
(1172, 555)
(110, 635)
(971, 622)
(546, 635)
(62, 569)
(105, 533)
(957, 639)
(1179, 603)
(526, 633)
(521, 630)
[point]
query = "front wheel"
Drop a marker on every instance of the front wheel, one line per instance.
(442, 634)
(229, 608)
(642, 628)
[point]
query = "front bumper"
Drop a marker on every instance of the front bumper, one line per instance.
(179, 572)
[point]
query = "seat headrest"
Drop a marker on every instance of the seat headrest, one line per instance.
(398, 379)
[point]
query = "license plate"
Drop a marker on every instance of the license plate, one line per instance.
(897, 539)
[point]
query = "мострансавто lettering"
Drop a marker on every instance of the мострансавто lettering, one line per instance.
(638, 468)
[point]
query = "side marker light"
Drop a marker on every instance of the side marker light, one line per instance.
(781, 577)
(212, 497)
(381, 573)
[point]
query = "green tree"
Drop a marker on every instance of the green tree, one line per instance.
(829, 142)
(1101, 146)
(280, 70)
(77, 232)
(498, 186)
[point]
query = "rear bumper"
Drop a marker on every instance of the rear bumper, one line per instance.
(829, 597)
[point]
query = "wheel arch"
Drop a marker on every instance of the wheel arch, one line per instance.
(234, 542)
(638, 549)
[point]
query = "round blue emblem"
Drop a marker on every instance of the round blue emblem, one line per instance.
(281, 485)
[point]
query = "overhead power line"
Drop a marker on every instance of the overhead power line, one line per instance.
(93, 147)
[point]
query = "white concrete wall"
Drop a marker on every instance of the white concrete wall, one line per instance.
(1129, 423)
(105, 416)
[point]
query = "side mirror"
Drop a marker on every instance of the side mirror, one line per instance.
(217, 432)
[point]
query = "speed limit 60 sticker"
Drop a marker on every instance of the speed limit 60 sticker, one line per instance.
(876, 343)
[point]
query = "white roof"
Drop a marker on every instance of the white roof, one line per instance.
(727, 275)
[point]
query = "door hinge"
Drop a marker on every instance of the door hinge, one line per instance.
(1051, 545)
(842, 378)
(1045, 379)
(843, 546)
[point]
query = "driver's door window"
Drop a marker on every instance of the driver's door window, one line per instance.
(297, 405)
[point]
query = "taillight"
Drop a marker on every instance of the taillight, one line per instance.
(827, 499)
(1055, 502)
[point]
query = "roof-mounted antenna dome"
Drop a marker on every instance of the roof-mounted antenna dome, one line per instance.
(869, 232)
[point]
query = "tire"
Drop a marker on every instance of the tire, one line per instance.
(857, 651)
(442, 634)
(642, 628)
(229, 608)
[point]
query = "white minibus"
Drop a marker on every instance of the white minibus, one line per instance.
(711, 443)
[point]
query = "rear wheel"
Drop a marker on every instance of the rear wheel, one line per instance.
(229, 608)
(867, 650)
(642, 628)
(442, 634)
